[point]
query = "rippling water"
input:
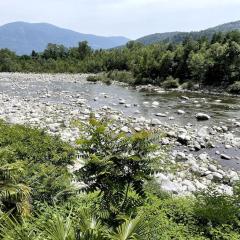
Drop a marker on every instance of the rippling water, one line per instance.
(169, 103)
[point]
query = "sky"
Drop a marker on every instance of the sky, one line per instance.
(129, 18)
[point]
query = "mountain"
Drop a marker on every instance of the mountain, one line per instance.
(23, 37)
(177, 37)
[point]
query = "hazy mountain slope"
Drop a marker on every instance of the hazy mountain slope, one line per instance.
(23, 37)
(177, 37)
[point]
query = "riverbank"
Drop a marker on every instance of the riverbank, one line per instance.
(52, 102)
(127, 79)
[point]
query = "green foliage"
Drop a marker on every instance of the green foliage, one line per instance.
(215, 208)
(41, 160)
(234, 88)
(115, 164)
(94, 79)
(121, 76)
(13, 195)
(189, 86)
(121, 201)
(200, 60)
(170, 83)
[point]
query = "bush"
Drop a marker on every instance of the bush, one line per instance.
(170, 83)
(188, 85)
(94, 78)
(214, 208)
(44, 159)
(234, 88)
(100, 78)
(116, 164)
(121, 76)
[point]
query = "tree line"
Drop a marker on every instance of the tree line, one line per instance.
(202, 61)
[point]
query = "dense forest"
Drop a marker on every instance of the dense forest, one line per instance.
(112, 196)
(213, 62)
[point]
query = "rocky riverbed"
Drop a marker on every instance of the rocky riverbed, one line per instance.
(201, 131)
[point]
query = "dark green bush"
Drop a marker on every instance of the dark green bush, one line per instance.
(94, 78)
(121, 76)
(234, 88)
(170, 83)
(215, 208)
(44, 159)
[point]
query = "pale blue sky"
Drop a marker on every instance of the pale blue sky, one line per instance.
(130, 18)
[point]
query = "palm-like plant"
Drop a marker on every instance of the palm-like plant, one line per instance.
(13, 195)
(12, 229)
(59, 229)
(115, 163)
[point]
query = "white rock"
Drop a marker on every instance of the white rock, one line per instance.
(160, 115)
(125, 129)
(180, 112)
(225, 156)
(155, 104)
(122, 101)
(202, 116)
(217, 176)
(155, 121)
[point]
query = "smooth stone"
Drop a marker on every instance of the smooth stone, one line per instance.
(180, 112)
(217, 176)
(165, 141)
(185, 98)
(202, 116)
(155, 104)
(160, 115)
(155, 121)
(122, 101)
(225, 157)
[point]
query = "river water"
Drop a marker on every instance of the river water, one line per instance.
(169, 102)
(222, 109)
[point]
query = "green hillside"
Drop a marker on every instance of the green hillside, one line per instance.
(178, 37)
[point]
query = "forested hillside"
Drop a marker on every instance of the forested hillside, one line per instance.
(178, 37)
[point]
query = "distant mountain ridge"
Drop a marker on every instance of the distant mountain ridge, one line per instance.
(177, 37)
(23, 37)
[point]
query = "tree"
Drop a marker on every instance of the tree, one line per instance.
(84, 50)
(197, 64)
(114, 163)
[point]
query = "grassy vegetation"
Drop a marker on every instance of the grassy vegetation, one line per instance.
(170, 83)
(120, 199)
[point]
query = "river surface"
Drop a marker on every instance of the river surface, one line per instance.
(222, 109)
(141, 102)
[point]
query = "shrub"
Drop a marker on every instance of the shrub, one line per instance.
(43, 158)
(170, 82)
(116, 164)
(121, 76)
(215, 208)
(188, 85)
(94, 78)
(234, 88)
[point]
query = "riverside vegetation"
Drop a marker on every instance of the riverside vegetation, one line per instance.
(103, 185)
(202, 62)
(110, 195)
